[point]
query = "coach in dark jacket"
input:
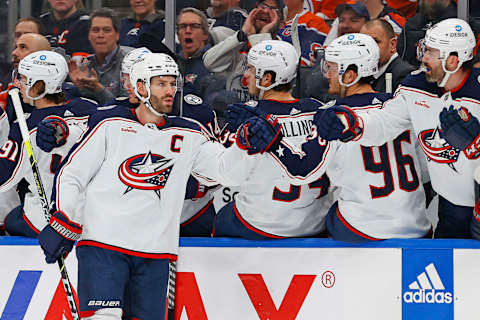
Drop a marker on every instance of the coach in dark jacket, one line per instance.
(390, 62)
(415, 28)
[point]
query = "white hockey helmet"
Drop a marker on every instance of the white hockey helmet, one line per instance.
(355, 49)
(47, 66)
(151, 65)
(277, 56)
(131, 57)
(449, 36)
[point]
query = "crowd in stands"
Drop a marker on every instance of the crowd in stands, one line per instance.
(213, 39)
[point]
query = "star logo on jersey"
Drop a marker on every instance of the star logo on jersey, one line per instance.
(437, 149)
(146, 171)
(279, 151)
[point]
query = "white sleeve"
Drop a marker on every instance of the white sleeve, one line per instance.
(222, 55)
(73, 177)
(385, 124)
(215, 164)
(4, 126)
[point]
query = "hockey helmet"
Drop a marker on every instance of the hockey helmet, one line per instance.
(47, 66)
(449, 36)
(151, 65)
(277, 56)
(355, 49)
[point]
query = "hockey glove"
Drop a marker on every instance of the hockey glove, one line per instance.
(337, 123)
(52, 132)
(461, 130)
(237, 114)
(258, 135)
(58, 237)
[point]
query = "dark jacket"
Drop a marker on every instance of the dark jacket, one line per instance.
(399, 70)
(131, 29)
(70, 34)
(415, 29)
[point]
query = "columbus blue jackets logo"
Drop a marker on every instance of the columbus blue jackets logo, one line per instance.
(146, 171)
(437, 149)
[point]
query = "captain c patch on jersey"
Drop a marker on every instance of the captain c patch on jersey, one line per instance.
(146, 171)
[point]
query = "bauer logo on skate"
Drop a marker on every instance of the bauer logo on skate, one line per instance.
(146, 171)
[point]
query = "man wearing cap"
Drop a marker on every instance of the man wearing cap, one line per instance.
(351, 17)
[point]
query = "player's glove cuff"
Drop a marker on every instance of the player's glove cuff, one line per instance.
(65, 227)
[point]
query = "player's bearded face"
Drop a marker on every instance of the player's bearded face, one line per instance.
(434, 70)
(162, 91)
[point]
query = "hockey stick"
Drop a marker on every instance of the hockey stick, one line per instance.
(172, 277)
(67, 285)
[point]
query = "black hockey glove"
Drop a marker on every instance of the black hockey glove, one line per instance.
(461, 130)
(337, 123)
(236, 114)
(52, 132)
(58, 237)
(259, 135)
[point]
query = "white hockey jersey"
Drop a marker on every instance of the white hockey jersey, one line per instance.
(380, 191)
(279, 208)
(416, 107)
(132, 179)
(15, 165)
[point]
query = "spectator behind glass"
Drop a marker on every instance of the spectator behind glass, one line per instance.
(312, 30)
(430, 12)
(24, 25)
(67, 28)
(143, 19)
(192, 32)
(226, 13)
(351, 17)
(382, 32)
(28, 25)
(229, 57)
(99, 76)
(377, 9)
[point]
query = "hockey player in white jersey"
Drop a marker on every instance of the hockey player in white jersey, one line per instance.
(42, 74)
(448, 59)
(130, 170)
(263, 208)
(198, 211)
(380, 194)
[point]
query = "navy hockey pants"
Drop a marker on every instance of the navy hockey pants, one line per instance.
(16, 224)
(104, 275)
(340, 229)
(453, 221)
(229, 223)
(201, 224)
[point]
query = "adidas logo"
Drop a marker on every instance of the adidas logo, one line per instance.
(428, 288)
(376, 101)
(68, 113)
